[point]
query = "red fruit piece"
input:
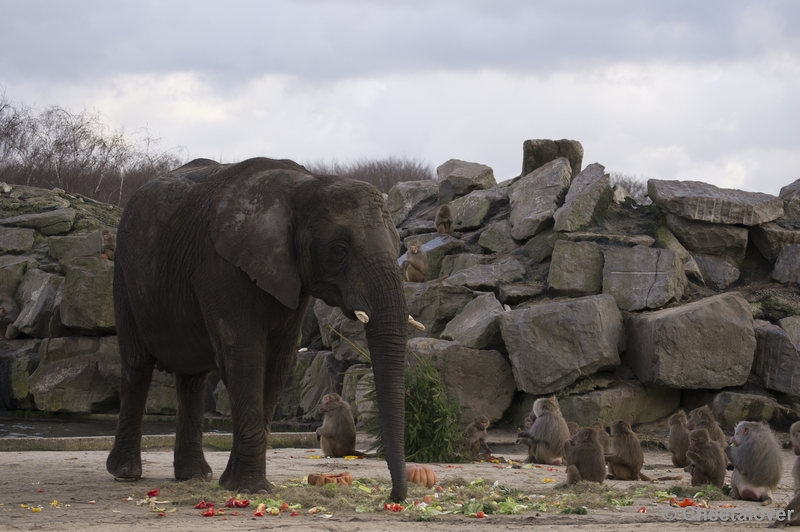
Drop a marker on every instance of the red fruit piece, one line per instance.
(154, 493)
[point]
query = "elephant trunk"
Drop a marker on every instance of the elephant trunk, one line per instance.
(386, 337)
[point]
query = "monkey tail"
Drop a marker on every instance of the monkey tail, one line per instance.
(644, 477)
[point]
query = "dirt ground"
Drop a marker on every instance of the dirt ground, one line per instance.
(89, 498)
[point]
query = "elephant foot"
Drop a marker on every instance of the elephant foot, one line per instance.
(124, 465)
(193, 469)
(247, 485)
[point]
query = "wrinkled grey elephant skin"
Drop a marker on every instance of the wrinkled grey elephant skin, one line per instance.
(214, 268)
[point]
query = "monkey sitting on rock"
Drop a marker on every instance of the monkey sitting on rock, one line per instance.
(109, 244)
(444, 220)
(416, 262)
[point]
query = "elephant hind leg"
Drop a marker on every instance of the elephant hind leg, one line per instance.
(189, 461)
(125, 459)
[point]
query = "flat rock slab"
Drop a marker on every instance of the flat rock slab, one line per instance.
(538, 152)
(488, 276)
(404, 197)
(771, 238)
(535, 197)
(16, 240)
(707, 344)
(777, 360)
(54, 222)
(641, 277)
(709, 238)
(471, 211)
(704, 202)
(630, 401)
(478, 325)
(787, 267)
(459, 178)
(718, 272)
(589, 193)
(576, 268)
(552, 345)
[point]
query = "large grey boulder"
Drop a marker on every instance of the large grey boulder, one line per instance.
(628, 400)
(787, 267)
(709, 238)
(705, 202)
(791, 325)
(718, 272)
(485, 277)
(350, 385)
(319, 380)
(732, 407)
(667, 240)
(790, 194)
(535, 197)
(641, 277)
(589, 194)
(478, 325)
(366, 408)
(777, 359)
(459, 178)
(481, 380)
(38, 294)
(12, 270)
(75, 245)
(497, 238)
(538, 152)
(455, 263)
(334, 325)
(18, 360)
(81, 374)
(551, 345)
(471, 211)
(14, 240)
(513, 294)
(222, 400)
(771, 238)
(88, 299)
(706, 344)
(434, 304)
(576, 268)
(541, 246)
(56, 222)
(404, 197)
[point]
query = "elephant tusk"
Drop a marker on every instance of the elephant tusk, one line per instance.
(362, 316)
(414, 323)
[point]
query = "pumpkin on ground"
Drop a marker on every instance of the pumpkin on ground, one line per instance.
(320, 479)
(421, 474)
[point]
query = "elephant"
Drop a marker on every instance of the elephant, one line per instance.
(214, 267)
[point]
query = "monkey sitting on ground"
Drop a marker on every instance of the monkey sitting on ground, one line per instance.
(476, 435)
(678, 439)
(756, 457)
(9, 312)
(703, 418)
(444, 220)
(337, 435)
(706, 460)
(109, 244)
(416, 262)
(545, 439)
(793, 518)
(584, 454)
(57, 329)
(602, 435)
(626, 458)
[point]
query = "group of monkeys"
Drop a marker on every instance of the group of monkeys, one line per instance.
(415, 264)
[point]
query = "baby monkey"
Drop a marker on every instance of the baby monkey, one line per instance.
(416, 262)
(476, 435)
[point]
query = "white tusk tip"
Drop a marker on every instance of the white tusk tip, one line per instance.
(362, 316)
(414, 323)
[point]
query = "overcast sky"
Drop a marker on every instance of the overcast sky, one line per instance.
(691, 90)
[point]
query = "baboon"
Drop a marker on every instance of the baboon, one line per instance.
(476, 435)
(678, 439)
(416, 262)
(584, 454)
(756, 457)
(9, 312)
(529, 420)
(703, 418)
(626, 458)
(706, 459)
(57, 329)
(337, 435)
(793, 518)
(573, 428)
(444, 220)
(109, 244)
(605, 439)
(545, 439)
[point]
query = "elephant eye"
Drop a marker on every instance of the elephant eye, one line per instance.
(339, 252)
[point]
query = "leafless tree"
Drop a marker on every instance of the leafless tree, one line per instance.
(383, 173)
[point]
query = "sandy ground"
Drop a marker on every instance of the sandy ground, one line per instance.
(76, 478)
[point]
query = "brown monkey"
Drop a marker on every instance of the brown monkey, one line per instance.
(530, 420)
(793, 518)
(584, 454)
(444, 220)
(109, 244)
(706, 459)
(678, 439)
(57, 329)
(476, 435)
(545, 439)
(626, 459)
(756, 457)
(573, 428)
(416, 262)
(9, 312)
(605, 439)
(337, 435)
(703, 418)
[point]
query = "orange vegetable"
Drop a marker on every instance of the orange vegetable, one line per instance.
(421, 474)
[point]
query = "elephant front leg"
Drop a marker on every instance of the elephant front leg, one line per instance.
(189, 462)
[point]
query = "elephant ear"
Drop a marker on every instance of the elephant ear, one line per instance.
(251, 226)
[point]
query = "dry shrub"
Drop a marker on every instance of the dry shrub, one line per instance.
(636, 186)
(382, 173)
